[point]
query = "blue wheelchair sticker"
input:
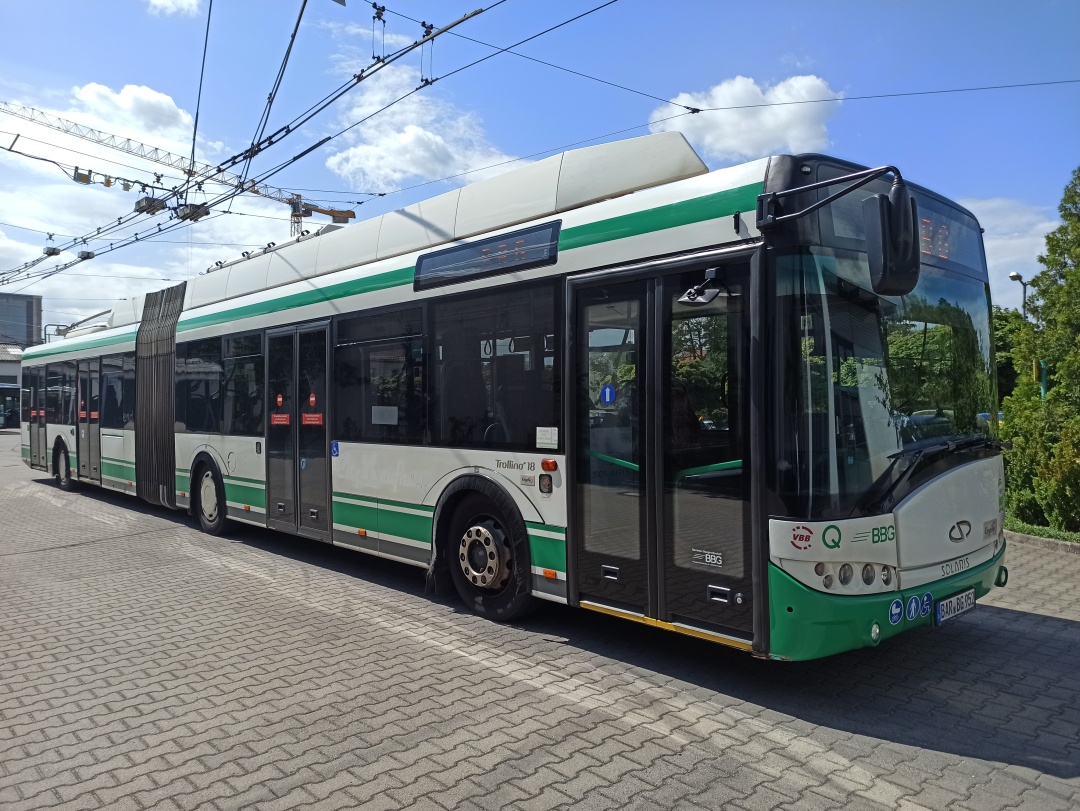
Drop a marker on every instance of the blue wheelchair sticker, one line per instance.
(927, 604)
(333, 448)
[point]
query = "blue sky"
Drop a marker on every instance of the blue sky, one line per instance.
(131, 67)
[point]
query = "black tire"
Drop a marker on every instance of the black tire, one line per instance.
(476, 521)
(62, 466)
(208, 499)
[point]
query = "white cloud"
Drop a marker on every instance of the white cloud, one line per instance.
(754, 131)
(420, 138)
(1014, 237)
(35, 195)
(136, 108)
(189, 7)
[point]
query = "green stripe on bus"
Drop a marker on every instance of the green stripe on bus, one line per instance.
(318, 295)
(405, 504)
(241, 479)
(413, 527)
(183, 479)
(60, 349)
(685, 212)
(547, 553)
(546, 528)
(117, 469)
(357, 516)
(243, 494)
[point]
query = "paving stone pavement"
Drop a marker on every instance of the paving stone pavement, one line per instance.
(146, 665)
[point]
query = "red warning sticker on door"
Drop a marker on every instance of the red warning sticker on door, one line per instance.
(311, 419)
(311, 399)
(279, 419)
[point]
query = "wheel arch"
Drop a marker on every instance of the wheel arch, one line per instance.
(438, 574)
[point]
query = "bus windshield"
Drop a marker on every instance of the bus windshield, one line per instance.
(871, 377)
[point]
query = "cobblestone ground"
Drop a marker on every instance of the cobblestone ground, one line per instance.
(145, 665)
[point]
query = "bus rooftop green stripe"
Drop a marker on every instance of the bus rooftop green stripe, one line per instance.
(76, 345)
(685, 212)
(317, 295)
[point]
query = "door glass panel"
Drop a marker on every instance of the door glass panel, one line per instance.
(706, 473)
(280, 436)
(312, 431)
(612, 487)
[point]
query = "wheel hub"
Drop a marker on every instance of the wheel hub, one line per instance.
(208, 502)
(484, 556)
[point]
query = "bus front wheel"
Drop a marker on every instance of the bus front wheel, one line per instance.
(489, 559)
(210, 497)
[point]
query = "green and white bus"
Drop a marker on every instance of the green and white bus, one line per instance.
(753, 405)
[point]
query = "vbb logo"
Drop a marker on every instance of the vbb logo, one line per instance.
(801, 536)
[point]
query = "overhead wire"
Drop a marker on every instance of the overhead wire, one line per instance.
(688, 111)
(282, 132)
(260, 128)
(198, 98)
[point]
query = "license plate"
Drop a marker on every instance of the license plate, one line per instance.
(952, 607)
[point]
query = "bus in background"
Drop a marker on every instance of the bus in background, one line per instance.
(745, 405)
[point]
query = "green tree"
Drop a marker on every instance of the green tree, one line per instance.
(1044, 464)
(1007, 323)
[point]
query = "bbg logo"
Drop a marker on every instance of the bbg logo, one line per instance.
(883, 534)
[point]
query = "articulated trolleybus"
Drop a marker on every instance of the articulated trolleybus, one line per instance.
(754, 405)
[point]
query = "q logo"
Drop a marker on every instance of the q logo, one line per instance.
(830, 537)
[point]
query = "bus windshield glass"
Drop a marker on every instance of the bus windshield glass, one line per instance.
(871, 377)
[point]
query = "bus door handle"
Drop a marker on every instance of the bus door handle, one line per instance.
(313, 514)
(609, 572)
(281, 506)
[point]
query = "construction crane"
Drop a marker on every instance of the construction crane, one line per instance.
(183, 164)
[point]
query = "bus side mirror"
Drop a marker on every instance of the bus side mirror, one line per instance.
(892, 241)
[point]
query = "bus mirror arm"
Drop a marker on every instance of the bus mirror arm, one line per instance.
(701, 293)
(890, 222)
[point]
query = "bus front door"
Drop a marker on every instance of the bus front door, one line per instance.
(297, 474)
(89, 442)
(659, 483)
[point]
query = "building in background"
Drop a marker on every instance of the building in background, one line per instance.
(10, 372)
(20, 320)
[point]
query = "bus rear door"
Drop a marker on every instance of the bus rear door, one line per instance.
(297, 439)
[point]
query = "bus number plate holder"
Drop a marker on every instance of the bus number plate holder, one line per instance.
(952, 607)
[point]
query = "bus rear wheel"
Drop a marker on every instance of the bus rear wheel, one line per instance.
(62, 466)
(489, 559)
(210, 501)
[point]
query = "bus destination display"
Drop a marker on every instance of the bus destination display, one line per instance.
(529, 248)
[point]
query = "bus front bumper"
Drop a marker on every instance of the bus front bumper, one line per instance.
(808, 624)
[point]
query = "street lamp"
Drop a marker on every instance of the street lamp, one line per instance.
(1016, 277)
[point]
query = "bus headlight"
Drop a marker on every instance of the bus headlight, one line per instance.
(868, 574)
(886, 575)
(846, 573)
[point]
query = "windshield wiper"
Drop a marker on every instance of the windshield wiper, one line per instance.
(885, 501)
